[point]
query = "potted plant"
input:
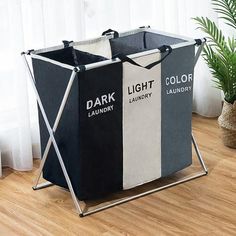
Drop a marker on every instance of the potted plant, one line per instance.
(220, 56)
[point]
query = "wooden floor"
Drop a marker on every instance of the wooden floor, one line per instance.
(205, 206)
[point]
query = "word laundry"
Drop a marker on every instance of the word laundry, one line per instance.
(178, 90)
(100, 111)
(135, 99)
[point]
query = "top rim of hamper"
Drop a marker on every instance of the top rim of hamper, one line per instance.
(188, 42)
(122, 34)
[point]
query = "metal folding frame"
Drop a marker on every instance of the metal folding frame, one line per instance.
(52, 141)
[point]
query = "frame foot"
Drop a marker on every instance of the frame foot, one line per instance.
(42, 185)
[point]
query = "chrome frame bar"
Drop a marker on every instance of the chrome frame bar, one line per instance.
(183, 180)
(199, 51)
(199, 154)
(52, 140)
(57, 120)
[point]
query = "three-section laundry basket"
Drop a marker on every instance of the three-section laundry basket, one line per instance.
(117, 110)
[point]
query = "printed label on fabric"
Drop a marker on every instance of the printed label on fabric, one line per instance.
(95, 107)
(183, 83)
(140, 87)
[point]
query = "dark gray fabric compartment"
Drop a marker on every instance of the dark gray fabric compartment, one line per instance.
(140, 42)
(157, 40)
(128, 44)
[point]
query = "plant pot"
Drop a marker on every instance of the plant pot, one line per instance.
(227, 122)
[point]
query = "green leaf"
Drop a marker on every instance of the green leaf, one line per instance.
(220, 53)
(227, 8)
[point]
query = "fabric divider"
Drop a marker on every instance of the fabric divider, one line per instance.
(99, 47)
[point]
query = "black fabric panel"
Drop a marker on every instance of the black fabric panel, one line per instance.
(51, 82)
(154, 41)
(176, 110)
(66, 56)
(91, 147)
(62, 55)
(100, 136)
(128, 44)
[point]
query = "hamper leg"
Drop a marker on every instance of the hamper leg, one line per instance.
(57, 120)
(51, 134)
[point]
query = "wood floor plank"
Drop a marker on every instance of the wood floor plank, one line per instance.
(205, 206)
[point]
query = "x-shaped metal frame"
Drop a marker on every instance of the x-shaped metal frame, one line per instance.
(52, 141)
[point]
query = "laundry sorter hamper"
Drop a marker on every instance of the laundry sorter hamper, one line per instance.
(115, 112)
